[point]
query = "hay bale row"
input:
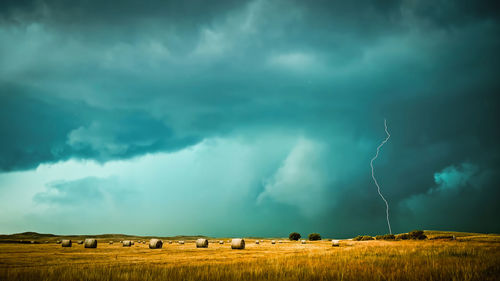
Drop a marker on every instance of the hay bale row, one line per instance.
(237, 243)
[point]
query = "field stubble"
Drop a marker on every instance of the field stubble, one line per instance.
(367, 260)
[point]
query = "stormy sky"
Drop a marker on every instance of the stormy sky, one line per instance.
(248, 118)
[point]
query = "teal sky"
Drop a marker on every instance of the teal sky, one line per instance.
(248, 118)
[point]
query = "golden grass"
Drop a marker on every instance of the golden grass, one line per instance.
(367, 260)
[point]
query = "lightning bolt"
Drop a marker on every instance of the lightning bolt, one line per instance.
(375, 180)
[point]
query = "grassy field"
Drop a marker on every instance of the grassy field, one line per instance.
(470, 257)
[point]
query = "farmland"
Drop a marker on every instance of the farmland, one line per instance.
(469, 257)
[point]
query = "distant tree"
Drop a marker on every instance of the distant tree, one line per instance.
(357, 238)
(417, 235)
(362, 238)
(385, 237)
(314, 236)
(402, 236)
(389, 237)
(294, 236)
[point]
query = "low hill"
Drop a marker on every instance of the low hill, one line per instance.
(27, 237)
(463, 236)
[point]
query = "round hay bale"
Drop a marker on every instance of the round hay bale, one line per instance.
(202, 243)
(181, 242)
(80, 242)
(335, 243)
(169, 242)
(58, 242)
(238, 243)
(273, 242)
(127, 243)
(110, 242)
(66, 243)
(257, 242)
(280, 241)
(261, 241)
(303, 241)
(155, 244)
(90, 243)
(32, 242)
(221, 242)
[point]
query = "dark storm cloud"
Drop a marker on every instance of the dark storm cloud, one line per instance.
(124, 135)
(441, 12)
(450, 13)
(38, 131)
(33, 131)
(112, 12)
(100, 80)
(462, 191)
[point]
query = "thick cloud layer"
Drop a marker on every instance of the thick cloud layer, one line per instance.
(302, 86)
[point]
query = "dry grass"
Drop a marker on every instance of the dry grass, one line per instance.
(370, 260)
